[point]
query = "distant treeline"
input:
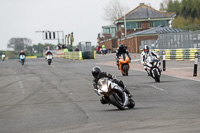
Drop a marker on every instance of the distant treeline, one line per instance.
(187, 12)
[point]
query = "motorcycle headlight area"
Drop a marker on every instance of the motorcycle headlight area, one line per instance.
(104, 88)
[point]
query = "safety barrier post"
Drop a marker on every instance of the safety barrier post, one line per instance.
(195, 64)
(164, 63)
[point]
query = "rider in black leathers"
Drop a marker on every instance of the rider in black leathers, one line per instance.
(97, 74)
(49, 53)
(22, 53)
(121, 50)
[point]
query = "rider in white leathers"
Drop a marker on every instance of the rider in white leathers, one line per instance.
(144, 56)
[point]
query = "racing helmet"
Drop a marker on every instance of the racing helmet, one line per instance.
(121, 46)
(146, 49)
(96, 71)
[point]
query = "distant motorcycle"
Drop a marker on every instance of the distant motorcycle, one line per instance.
(124, 64)
(154, 65)
(49, 59)
(114, 94)
(3, 57)
(22, 59)
(104, 51)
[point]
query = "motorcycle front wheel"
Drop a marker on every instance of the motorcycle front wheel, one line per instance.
(49, 62)
(157, 77)
(116, 101)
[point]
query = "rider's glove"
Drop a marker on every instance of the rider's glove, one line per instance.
(113, 77)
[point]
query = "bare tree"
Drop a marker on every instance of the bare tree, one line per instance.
(163, 5)
(19, 43)
(114, 10)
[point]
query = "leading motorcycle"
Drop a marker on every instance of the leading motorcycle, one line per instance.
(114, 94)
(154, 68)
(49, 59)
(22, 59)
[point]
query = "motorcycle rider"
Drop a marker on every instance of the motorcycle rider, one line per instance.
(22, 53)
(97, 74)
(144, 55)
(49, 53)
(121, 50)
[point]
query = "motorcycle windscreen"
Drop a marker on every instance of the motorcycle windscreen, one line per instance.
(103, 84)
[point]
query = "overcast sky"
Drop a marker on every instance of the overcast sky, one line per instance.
(21, 18)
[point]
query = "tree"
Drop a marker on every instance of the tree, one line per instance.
(19, 43)
(163, 5)
(39, 48)
(114, 10)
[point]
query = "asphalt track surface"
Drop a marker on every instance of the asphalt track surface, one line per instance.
(38, 98)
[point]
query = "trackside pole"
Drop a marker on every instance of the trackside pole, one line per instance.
(195, 64)
(164, 63)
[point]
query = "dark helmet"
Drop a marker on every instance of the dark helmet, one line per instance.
(96, 71)
(146, 49)
(121, 46)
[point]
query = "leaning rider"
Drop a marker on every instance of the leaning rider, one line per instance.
(97, 74)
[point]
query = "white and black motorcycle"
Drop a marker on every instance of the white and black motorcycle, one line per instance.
(114, 94)
(154, 68)
(22, 59)
(3, 57)
(49, 59)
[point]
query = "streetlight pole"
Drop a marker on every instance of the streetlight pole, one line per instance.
(125, 27)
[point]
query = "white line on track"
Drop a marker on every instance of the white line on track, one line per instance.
(135, 60)
(157, 88)
(20, 84)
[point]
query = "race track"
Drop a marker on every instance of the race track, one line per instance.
(38, 98)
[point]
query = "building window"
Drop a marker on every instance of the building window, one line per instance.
(139, 25)
(157, 23)
(113, 31)
(134, 25)
(130, 25)
(106, 30)
(151, 24)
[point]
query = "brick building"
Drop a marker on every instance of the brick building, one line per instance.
(132, 25)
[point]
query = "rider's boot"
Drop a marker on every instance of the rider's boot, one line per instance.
(148, 72)
(127, 92)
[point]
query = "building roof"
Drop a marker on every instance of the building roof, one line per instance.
(109, 26)
(147, 32)
(145, 12)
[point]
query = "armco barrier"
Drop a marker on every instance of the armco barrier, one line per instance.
(31, 57)
(179, 54)
(75, 55)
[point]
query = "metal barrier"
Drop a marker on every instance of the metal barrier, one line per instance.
(75, 55)
(179, 54)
